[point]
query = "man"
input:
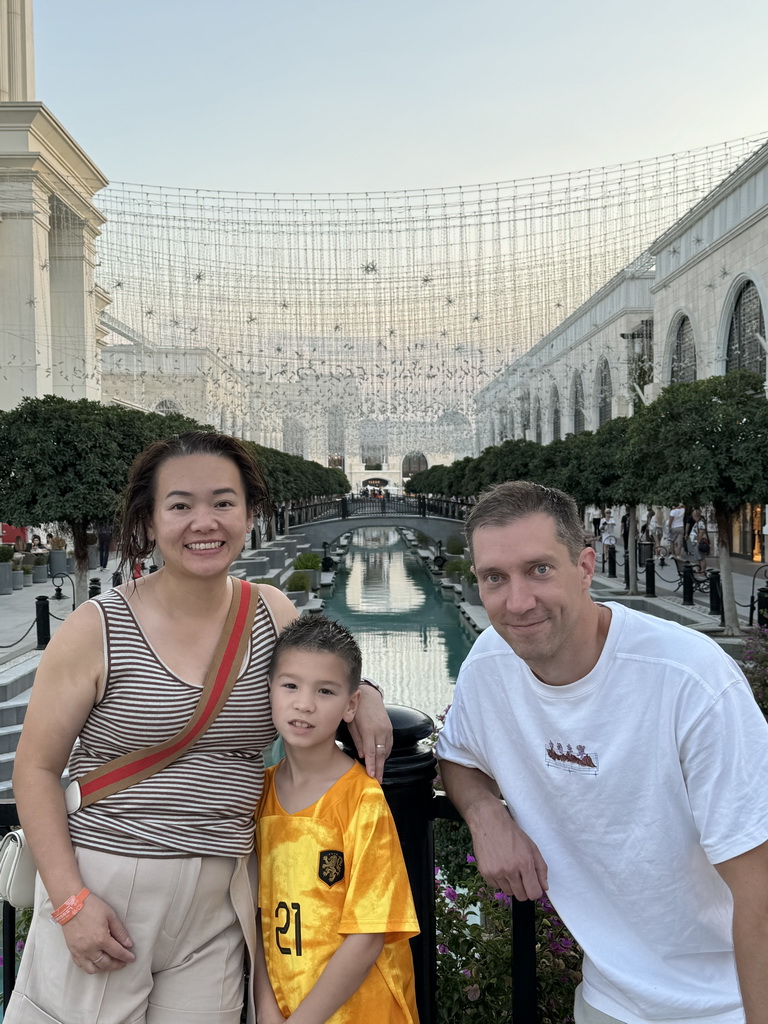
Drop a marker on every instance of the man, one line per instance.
(632, 757)
(676, 525)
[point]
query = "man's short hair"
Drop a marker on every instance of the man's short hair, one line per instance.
(317, 633)
(516, 499)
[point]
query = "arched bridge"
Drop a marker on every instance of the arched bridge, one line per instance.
(324, 522)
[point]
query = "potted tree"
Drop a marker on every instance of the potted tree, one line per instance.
(297, 587)
(17, 576)
(310, 563)
(57, 557)
(26, 571)
(6, 557)
(40, 569)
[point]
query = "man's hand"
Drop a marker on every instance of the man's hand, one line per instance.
(506, 857)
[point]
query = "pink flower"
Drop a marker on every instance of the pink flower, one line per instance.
(473, 993)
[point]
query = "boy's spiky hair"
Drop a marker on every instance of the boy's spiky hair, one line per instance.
(317, 633)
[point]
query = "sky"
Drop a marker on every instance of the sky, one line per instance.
(354, 96)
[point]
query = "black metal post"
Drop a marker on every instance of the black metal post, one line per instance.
(650, 578)
(762, 607)
(688, 585)
(117, 578)
(43, 622)
(344, 508)
(94, 587)
(8, 819)
(611, 561)
(715, 597)
(524, 989)
(626, 568)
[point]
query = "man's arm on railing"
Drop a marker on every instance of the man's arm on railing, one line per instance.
(506, 857)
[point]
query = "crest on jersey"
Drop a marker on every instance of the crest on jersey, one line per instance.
(331, 868)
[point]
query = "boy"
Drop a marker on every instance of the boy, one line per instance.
(335, 905)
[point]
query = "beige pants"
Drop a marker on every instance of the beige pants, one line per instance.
(187, 939)
(583, 1013)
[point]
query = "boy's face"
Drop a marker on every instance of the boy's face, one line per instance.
(309, 692)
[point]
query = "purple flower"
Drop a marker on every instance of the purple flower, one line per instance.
(450, 893)
(502, 898)
(561, 945)
(466, 974)
(442, 949)
(20, 946)
(471, 859)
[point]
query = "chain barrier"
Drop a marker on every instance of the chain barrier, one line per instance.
(7, 647)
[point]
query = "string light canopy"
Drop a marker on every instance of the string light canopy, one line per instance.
(395, 307)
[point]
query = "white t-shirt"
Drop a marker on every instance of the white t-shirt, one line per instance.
(677, 518)
(633, 782)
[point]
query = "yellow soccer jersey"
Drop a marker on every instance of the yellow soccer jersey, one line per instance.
(331, 870)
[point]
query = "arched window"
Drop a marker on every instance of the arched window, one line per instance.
(537, 422)
(414, 462)
(744, 350)
(604, 392)
(525, 413)
(167, 407)
(577, 403)
(684, 354)
(554, 404)
(294, 437)
(336, 437)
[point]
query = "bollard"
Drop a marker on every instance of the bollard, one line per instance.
(715, 598)
(688, 585)
(762, 607)
(626, 568)
(344, 508)
(94, 587)
(650, 578)
(117, 578)
(611, 561)
(43, 622)
(408, 775)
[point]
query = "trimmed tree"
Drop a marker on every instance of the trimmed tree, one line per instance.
(707, 443)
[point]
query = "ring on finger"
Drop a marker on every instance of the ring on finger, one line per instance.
(381, 746)
(98, 958)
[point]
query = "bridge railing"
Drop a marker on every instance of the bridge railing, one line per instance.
(408, 785)
(296, 514)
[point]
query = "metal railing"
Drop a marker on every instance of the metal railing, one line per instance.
(300, 513)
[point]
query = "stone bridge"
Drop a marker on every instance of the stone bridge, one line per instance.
(324, 523)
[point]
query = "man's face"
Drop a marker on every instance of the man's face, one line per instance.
(535, 596)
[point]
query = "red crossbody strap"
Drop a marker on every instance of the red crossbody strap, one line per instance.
(132, 768)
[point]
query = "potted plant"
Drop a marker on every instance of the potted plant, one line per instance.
(17, 576)
(57, 556)
(6, 573)
(40, 569)
(469, 589)
(311, 563)
(297, 587)
(26, 572)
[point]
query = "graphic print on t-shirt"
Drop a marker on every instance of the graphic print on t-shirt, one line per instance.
(570, 760)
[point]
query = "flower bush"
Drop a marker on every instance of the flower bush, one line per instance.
(474, 941)
(755, 664)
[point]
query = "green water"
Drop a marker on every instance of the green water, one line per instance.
(413, 642)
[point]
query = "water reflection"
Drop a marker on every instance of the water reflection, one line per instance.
(413, 641)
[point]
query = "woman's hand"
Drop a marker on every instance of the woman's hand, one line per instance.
(97, 939)
(371, 731)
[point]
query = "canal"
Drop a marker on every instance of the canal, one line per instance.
(413, 641)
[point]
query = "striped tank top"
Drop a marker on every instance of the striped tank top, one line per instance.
(203, 803)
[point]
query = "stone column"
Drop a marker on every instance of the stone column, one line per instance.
(17, 63)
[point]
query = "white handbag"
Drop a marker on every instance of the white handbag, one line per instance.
(17, 871)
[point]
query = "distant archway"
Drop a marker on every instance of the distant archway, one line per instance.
(414, 462)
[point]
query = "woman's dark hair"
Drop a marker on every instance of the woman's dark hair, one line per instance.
(138, 499)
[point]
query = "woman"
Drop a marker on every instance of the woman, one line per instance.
(38, 547)
(698, 541)
(159, 937)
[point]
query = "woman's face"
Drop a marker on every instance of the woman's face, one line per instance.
(200, 514)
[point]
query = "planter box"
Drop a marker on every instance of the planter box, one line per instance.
(6, 582)
(470, 592)
(17, 580)
(57, 562)
(299, 597)
(39, 573)
(27, 581)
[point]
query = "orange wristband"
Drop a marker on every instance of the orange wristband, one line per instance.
(70, 907)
